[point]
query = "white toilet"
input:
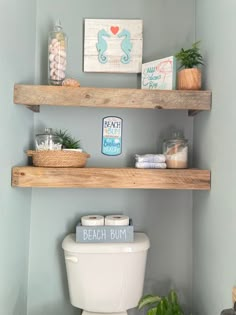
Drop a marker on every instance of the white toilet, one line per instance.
(105, 277)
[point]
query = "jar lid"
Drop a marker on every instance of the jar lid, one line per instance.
(177, 135)
(58, 26)
(48, 132)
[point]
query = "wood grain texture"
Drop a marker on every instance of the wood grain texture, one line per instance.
(193, 179)
(234, 295)
(189, 79)
(111, 97)
(110, 44)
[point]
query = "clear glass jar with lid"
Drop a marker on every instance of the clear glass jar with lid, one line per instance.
(47, 141)
(57, 55)
(176, 150)
(230, 311)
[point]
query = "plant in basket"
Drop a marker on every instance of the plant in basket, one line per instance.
(69, 154)
(67, 141)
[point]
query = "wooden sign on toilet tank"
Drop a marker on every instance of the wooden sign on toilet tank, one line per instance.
(105, 233)
(113, 45)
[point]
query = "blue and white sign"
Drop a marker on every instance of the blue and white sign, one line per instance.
(112, 135)
(105, 233)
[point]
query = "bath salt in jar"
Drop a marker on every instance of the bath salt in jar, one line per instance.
(57, 55)
(47, 141)
(176, 151)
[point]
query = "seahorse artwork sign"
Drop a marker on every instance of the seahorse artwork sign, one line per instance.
(113, 45)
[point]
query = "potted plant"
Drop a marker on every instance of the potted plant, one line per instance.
(165, 305)
(68, 142)
(189, 78)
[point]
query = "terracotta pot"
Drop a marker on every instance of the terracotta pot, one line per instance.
(189, 79)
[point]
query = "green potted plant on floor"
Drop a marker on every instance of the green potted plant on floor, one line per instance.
(189, 78)
(161, 305)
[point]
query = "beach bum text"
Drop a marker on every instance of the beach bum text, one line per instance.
(104, 234)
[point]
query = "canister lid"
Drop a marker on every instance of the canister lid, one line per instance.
(47, 132)
(176, 137)
(140, 243)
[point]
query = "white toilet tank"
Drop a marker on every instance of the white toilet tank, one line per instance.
(105, 277)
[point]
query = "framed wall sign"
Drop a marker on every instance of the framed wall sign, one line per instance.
(113, 45)
(159, 74)
(112, 135)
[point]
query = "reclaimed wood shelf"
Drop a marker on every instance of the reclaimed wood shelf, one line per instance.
(33, 96)
(191, 179)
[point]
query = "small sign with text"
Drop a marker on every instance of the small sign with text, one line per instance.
(112, 135)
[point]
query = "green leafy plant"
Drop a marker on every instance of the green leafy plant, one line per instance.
(161, 305)
(191, 57)
(67, 141)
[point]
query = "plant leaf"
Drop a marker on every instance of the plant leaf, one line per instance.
(67, 141)
(147, 300)
(152, 311)
(191, 57)
(172, 297)
(161, 307)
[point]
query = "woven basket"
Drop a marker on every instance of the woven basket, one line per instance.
(58, 158)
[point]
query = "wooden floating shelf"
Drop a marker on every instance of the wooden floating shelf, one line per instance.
(30, 176)
(34, 95)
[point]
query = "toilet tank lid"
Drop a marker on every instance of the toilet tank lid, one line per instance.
(140, 243)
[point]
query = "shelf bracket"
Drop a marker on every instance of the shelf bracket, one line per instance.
(193, 112)
(34, 108)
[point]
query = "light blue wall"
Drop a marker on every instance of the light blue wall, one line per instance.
(17, 55)
(166, 216)
(214, 214)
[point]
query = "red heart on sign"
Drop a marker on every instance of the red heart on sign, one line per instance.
(115, 29)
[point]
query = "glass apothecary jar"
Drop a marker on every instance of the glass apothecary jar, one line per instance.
(57, 55)
(230, 311)
(47, 141)
(175, 150)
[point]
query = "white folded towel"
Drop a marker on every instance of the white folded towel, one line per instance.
(152, 158)
(149, 165)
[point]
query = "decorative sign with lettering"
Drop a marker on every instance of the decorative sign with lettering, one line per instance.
(159, 74)
(104, 233)
(113, 45)
(112, 135)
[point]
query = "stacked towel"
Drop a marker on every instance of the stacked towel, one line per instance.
(150, 161)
